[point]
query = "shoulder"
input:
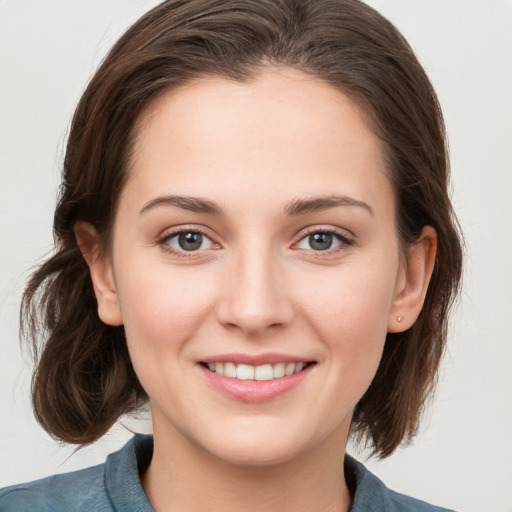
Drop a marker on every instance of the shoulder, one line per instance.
(372, 495)
(111, 486)
(403, 503)
(77, 491)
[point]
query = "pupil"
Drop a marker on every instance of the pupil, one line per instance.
(320, 241)
(190, 241)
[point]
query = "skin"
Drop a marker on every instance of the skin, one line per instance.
(255, 286)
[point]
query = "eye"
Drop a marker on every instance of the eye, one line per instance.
(186, 241)
(323, 241)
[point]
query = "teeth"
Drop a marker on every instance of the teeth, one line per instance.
(290, 368)
(244, 372)
(230, 370)
(299, 367)
(278, 370)
(263, 372)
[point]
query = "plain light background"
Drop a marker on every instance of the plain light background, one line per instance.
(462, 458)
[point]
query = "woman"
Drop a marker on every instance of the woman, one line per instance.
(255, 234)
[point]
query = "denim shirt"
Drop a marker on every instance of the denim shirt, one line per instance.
(115, 486)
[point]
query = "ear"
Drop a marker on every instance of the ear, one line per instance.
(412, 282)
(100, 267)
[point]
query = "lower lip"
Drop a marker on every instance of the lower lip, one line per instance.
(255, 390)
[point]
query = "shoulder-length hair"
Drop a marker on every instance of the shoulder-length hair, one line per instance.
(84, 379)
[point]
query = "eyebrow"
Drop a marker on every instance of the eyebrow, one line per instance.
(293, 208)
(302, 206)
(192, 204)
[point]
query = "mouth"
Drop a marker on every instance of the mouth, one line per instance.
(263, 372)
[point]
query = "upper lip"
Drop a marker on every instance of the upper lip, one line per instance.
(255, 359)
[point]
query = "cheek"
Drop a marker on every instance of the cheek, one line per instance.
(162, 313)
(349, 300)
(349, 313)
(163, 308)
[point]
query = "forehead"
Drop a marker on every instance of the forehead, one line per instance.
(284, 131)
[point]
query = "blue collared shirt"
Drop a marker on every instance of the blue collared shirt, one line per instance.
(115, 487)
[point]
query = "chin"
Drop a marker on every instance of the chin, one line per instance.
(261, 455)
(263, 446)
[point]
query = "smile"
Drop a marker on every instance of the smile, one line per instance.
(261, 372)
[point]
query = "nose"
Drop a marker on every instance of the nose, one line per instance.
(255, 298)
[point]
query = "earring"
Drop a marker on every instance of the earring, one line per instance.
(400, 318)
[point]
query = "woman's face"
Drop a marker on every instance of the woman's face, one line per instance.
(255, 235)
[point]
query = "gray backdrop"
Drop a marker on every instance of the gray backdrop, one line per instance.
(463, 456)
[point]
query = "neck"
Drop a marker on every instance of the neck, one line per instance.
(183, 477)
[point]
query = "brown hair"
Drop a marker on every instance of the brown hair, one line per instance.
(84, 379)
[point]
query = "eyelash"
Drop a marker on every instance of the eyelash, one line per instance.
(345, 242)
(163, 241)
(337, 234)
